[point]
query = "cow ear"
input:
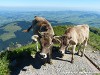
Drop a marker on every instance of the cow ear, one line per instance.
(69, 37)
(56, 39)
(72, 42)
(35, 37)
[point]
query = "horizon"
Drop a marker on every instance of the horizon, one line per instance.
(44, 5)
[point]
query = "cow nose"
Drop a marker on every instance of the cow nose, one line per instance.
(43, 55)
(60, 52)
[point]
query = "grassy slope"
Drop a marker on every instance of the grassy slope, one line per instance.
(5, 58)
(10, 29)
(18, 54)
(4, 63)
(94, 41)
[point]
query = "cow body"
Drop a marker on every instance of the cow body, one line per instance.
(75, 35)
(39, 24)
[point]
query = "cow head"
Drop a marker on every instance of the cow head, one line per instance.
(46, 44)
(65, 42)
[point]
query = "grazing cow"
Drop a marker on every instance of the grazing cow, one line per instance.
(75, 35)
(39, 24)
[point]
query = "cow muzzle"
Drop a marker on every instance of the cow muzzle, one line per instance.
(43, 55)
(61, 51)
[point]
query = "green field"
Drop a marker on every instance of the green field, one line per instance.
(10, 29)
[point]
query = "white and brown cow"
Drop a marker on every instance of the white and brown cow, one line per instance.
(46, 43)
(75, 35)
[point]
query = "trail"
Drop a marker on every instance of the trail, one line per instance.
(60, 66)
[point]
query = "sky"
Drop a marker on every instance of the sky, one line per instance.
(52, 4)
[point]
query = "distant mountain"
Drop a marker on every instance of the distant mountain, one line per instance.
(75, 17)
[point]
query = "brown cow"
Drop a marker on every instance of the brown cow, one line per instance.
(39, 24)
(75, 35)
(46, 46)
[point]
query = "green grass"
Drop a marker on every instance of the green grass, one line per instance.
(4, 66)
(18, 54)
(94, 41)
(59, 30)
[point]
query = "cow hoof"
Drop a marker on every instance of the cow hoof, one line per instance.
(72, 61)
(77, 53)
(50, 63)
(44, 64)
(82, 55)
(62, 56)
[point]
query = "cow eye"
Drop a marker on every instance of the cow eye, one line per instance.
(69, 37)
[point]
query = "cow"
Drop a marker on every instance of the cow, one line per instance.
(73, 36)
(39, 24)
(46, 43)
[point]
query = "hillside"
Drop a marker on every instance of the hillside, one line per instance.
(8, 56)
(12, 33)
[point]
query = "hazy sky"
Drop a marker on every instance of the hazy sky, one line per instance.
(63, 4)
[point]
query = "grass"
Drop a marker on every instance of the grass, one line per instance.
(18, 54)
(4, 66)
(59, 30)
(94, 41)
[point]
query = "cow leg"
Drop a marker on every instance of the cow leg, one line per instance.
(84, 45)
(73, 51)
(66, 49)
(37, 46)
(49, 59)
(79, 49)
(35, 38)
(50, 56)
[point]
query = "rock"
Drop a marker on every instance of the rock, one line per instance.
(8, 48)
(18, 45)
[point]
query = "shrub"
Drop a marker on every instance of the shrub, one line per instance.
(4, 66)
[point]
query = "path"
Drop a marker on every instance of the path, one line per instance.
(60, 66)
